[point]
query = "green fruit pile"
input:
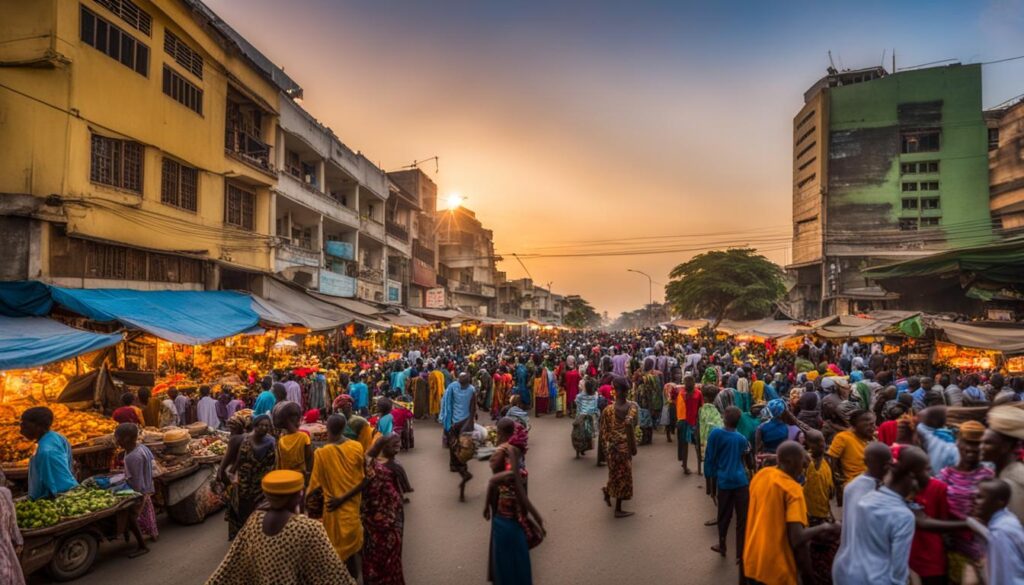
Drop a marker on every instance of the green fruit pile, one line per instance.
(84, 500)
(36, 514)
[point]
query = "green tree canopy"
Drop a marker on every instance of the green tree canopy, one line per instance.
(738, 283)
(580, 314)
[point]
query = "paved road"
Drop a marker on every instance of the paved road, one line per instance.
(446, 542)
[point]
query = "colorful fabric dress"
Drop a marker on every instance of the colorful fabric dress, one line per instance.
(649, 399)
(502, 393)
(614, 436)
(436, 386)
(337, 469)
(300, 554)
(509, 561)
(420, 396)
(708, 418)
(586, 422)
(291, 452)
(10, 537)
(246, 491)
(383, 523)
(541, 392)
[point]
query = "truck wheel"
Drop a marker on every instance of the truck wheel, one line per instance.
(74, 556)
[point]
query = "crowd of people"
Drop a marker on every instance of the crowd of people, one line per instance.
(837, 462)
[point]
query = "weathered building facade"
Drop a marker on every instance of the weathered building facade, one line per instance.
(466, 261)
(417, 187)
(886, 167)
(1006, 165)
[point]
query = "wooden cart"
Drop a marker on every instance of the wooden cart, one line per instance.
(67, 549)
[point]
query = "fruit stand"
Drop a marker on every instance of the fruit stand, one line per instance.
(62, 535)
(185, 479)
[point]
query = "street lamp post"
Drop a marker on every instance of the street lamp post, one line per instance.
(650, 295)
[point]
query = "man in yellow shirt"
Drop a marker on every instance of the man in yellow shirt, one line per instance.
(846, 454)
(777, 514)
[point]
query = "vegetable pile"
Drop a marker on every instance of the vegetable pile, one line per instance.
(36, 514)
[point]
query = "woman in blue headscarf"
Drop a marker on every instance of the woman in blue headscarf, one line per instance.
(772, 432)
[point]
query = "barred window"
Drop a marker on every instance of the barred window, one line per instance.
(183, 91)
(239, 207)
(179, 185)
(117, 163)
(127, 11)
(113, 42)
(183, 54)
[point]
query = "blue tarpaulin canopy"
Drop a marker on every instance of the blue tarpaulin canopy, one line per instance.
(28, 342)
(189, 317)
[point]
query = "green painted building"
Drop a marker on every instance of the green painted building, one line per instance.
(903, 174)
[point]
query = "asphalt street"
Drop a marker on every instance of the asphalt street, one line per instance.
(446, 541)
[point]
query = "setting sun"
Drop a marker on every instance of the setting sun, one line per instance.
(454, 200)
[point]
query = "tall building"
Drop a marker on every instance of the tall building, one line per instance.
(420, 194)
(1006, 165)
(137, 145)
(466, 261)
(885, 167)
(322, 186)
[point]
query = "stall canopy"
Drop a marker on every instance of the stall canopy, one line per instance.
(768, 328)
(402, 318)
(361, 312)
(28, 342)
(1001, 263)
(188, 317)
(452, 316)
(283, 304)
(1007, 340)
(874, 324)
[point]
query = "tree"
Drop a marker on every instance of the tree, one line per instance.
(580, 313)
(737, 283)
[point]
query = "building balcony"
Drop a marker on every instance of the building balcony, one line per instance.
(248, 148)
(307, 196)
(375, 275)
(397, 231)
(292, 255)
(337, 285)
(372, 228)
(473, 288)
(370, 291)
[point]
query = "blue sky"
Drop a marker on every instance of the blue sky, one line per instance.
(580, 121)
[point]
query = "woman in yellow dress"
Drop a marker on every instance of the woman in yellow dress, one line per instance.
(435, 385)
(294, 447)
(339, 470)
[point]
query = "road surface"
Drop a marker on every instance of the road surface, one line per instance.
(446, 541)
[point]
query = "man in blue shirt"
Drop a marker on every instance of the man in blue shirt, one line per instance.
(458, 413)
(360, 394)
(49, 470)
(726, 473)
(876, 550)
(266, 400)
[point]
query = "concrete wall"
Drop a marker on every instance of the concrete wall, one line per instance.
(1006, 169)
(810, 157)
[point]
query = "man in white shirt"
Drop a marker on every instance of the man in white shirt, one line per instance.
(1001, 531)
(206, 408)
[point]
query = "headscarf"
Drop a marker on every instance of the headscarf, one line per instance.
(757, 391)
(710, 376)
(256, 419)
(342, 401)
(241, 420)
(519, 438)
(1007, 420)
(856, 376)
(776, 407)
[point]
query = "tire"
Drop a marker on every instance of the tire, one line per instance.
(73, 557)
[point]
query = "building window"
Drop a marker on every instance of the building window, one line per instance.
(127, 11)
(239, 207)
(924, 141)
(183, 91)
(929, 186)
(909, 187)
(113, 42)
(183, 54)
(930, 166)
(929, 222)
(993, 138)
(908, 224)
(909, 204)
(806, 180)
(179, 185)
(117, 163)
(929, 203)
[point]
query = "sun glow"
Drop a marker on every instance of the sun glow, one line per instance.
(454, 200)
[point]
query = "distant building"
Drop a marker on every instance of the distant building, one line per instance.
(523, 300)
(420, 196)
(1006, 165)
(467, 261)
(885, 167)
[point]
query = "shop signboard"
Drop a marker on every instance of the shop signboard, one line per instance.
(435, 298)
(342, 250)
(337, 285)
(394, 292)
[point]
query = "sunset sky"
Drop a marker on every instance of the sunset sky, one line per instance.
(587, 127)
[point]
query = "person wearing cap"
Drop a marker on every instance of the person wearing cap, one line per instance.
(999, 445)
(278, 546)
(962, 481)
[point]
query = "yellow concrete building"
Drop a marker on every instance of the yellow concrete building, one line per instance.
(137, 139)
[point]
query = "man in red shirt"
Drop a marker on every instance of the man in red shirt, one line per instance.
(688, 402)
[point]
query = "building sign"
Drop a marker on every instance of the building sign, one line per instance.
(435, 298)
(423, 274)
(343, 250)
(394, 292)
(337, 285)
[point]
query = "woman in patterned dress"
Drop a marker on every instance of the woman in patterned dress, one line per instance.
(11, 542)
(248, 459)
(618, 435)
(277, 546)
(383, 517)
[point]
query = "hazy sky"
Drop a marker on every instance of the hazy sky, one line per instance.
(569, 123)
